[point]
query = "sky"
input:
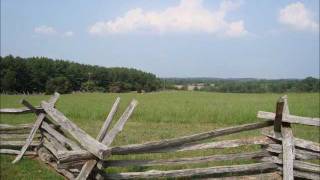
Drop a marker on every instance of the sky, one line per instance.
(170, 38)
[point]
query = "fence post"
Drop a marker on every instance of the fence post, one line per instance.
(287, 143)
(278, 118)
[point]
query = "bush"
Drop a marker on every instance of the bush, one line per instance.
(58, 84)
(91, 86)
(118, 87)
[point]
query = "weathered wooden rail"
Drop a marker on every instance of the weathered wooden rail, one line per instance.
(85, 157)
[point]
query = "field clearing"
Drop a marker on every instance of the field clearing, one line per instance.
(160, 116)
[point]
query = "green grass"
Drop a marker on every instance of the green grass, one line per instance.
(164, 115)
(27, 168)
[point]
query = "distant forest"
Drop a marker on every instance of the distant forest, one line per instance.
(45, 75)
(41, 74)
(246, 85)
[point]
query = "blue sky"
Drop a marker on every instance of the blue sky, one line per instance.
(187, 38)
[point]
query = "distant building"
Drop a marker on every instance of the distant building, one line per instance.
(178, 86)
(190, 87)
(200, 85)
(194, 86)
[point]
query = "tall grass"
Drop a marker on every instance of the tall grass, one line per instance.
(170, 114)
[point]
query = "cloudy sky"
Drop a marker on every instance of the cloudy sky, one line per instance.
(171, 38)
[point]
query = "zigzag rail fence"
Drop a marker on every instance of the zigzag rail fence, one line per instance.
(85, 157)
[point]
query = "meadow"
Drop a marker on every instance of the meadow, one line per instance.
(159, 115)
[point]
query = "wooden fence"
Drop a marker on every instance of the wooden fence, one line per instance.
(76, 155)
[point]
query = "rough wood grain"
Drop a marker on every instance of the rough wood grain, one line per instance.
(12, 151)
(158, 145)
(30, 106)
(219, 144)
(193, 160)
(222, 144)
(60, 152)
(258, 176)
(287, 143)
(74, 171)
(107, 122)
(304, 175)
(44, 153)
(27, 127)
(40, 118)
(77, 164)
(18, 131)
(33, 131)
(56, 144)
(288, 152)
(308, 145)
(16, 144)
(53, 99)
(54, 125)
(299, 153)
(7, 127)
(278, 117)
(61, 138)
(50, 146)
(23, 110)
(219, 170)
(86, 169)
(72, 155)
(36, 126)
(17, 136)
(89, 165)
(300, 143)
(18, 110)
(298, 165)
(306, 167)
(86, 141)
(108, 138)
(303, 120)
(68, 156)
(310, 121)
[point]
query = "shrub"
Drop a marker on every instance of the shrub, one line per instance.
(58, 84)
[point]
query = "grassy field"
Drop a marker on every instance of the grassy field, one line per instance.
(159, 116)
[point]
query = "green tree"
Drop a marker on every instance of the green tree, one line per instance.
(88, 86)
(38, 74)
(58, 84)
(8, 81)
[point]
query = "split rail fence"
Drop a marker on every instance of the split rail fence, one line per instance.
(73, 153)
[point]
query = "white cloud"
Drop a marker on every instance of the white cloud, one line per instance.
(236, 29)
(68, 34)
(298, 17)
(188, 16)
(47, 30)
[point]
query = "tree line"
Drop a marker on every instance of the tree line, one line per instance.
(42, 74)
(248, 85)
